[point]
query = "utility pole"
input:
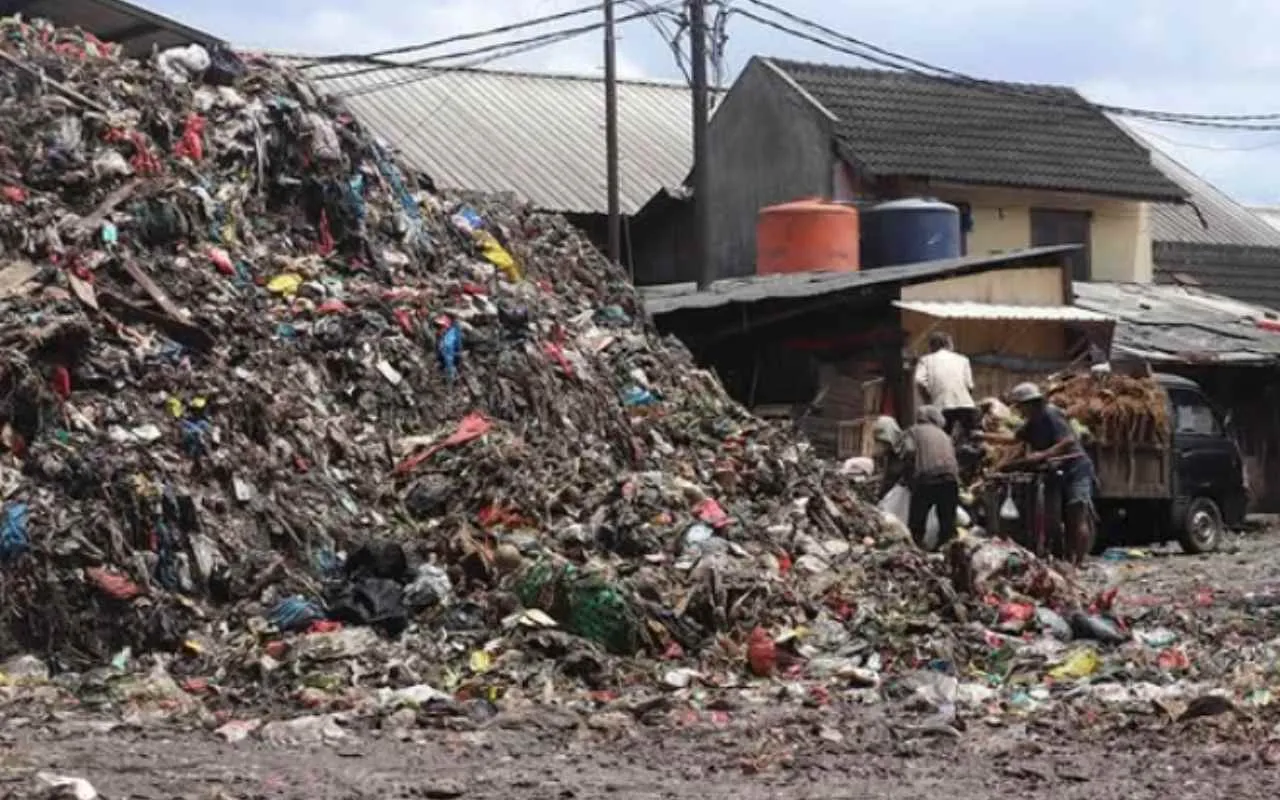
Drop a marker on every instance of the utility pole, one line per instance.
(701, 183)
(611, 133)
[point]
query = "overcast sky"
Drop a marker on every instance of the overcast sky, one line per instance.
(1173, 55)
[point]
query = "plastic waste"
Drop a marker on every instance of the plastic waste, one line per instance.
(1081, 663)
(762, 654)
(430, 587)
(14, 541)
(64, 786)
(1097, 628)
(1008, 508)
(183, 64)
(295, 614)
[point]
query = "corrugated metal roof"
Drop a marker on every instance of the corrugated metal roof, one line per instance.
(996, 311)
(1209, 215)
(686, 296)
(539, 136)
(136, 29)
(1268, 214)
(1182, 325)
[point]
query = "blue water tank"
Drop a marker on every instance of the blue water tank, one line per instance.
(910, 230)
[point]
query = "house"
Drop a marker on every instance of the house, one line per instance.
(1213, 242)
(538, 136)
(136, 29)
(1028, 165)
(833, 350)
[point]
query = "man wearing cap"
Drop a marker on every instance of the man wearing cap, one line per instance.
(945, 378)
(1049, 437)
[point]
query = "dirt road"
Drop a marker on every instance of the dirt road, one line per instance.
(833, 752)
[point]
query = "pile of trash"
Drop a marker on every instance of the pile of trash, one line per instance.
(261, 380)
(280, 420)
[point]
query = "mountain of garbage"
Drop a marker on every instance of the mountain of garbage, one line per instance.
(280, 413)
(255, 369)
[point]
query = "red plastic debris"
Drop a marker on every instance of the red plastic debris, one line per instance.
(784, 562)
(61, 382)
(710, 512)
(191, 144)
(762, 655)
(326, 235)
(332, 306)
(222, 260)
(404, 318)
(1173, 658)
(1104, 601)
(112, 584)
(472, 426)
(195, 686)
(324, 626)
(557, 355)
(1016, 612)
(15, 194)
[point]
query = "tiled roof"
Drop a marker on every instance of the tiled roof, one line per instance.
(1004, 134)
(539, 136)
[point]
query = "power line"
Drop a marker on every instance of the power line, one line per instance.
(430, 68)
(506, 48)
(672, 39)
(427, 72)
(900, 62)
(462, 37)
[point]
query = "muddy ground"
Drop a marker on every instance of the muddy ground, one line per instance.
(785, 752)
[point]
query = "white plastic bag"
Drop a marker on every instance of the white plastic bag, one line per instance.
(1009, 509)
(897, 503)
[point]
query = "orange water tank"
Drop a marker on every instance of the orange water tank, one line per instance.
(807, 235)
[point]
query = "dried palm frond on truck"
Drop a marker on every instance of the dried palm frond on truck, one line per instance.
(1117, 409)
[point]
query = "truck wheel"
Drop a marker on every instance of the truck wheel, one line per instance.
(1201, 528)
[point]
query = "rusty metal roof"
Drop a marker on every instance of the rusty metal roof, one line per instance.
(1174, 324)
(668, 298)
(540, 136)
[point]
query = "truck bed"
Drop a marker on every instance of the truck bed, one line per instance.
(1132, 472)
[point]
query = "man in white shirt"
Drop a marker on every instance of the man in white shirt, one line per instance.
(945, 379)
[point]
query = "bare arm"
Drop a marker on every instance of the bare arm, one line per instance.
(999, 438)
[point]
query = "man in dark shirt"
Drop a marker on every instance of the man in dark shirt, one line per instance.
(932, 474)
(1049, 437)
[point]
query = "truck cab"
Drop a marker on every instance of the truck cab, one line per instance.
(1190, 491)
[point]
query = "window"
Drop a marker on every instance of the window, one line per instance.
(1053, 226)
(1195, 418)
